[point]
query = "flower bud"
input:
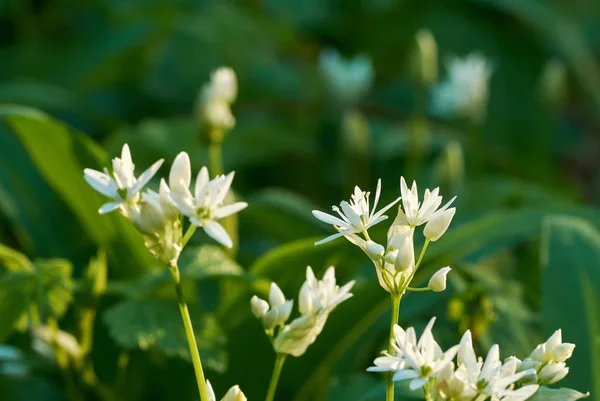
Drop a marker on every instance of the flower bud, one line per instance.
(259, 306)
(223, 84)
(276, 296)
(528, 363)
(406, 256)
(305, 305)
(283, 312)
(562, 352)
(552, 373)
(391, 256)
(217, 114)
(374, 250)
(234, 394)
(437, 283)
(538, 353)
(437, 226)
(271, 318)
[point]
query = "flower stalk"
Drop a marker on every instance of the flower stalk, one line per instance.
(396, 298)
(189, 334)
(279, 361)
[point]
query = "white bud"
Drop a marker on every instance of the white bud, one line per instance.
(305, 305)
(217, 114)
(223, 84)
(234, 394)
(406, 255)
(271, 318)
(437, 283)
(283, 312)
(391, 256)
(259, 306)
(562, 352)
(276, 296)
(538, 353)
(374, 250)
(437, 226)
(529, 364)
(552, 373)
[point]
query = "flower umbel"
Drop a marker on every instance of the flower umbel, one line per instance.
(356, 216)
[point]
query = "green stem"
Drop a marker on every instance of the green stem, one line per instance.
(427, 390)
(427, 241)
(279, 361)
(389, 393)
(417, 289)
(215, 158)
(188, 234)
(189, 333)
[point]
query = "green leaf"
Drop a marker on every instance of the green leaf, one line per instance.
(13, 260)
(156, 323)
(207, 261)
(557, 394)
(15, 293)
(60, 155)
(570, 279)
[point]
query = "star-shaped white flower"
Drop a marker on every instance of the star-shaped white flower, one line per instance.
(355, 216)
(416, 213)
(205, 206)
(122, 185)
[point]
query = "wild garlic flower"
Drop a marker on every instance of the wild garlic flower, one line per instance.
(205, 206)
(355, 216)
(492, 378)
(120, 185)
(317, 299)
(279, 311)
(423, 360)
(437, 283)
(548, 359)
(347, 80)
(234, 394)
(465, 92)
(429, 212)
(216, 97)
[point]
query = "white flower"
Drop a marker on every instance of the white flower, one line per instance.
(205, 207)
(122, 185)
(279, 311)
(437, 282)
(416, 213)
(216, 97)
(223, 85)
(356, 216)
(552, 373)
(347, 80)
(553, 350)
(492, 378)
(218, 115)
(465, 93)
(439, 223)
(317, 299)
(156, 210)
(234, 394)
(374, 250)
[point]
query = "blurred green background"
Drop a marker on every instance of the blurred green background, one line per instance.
(524, 244)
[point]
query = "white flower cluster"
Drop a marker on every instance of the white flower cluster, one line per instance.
(233, 394)
(215, 100)
(395, 264)
(157, 215)
(348, 80)
(465, 93)
(316, 300)
(428, 367)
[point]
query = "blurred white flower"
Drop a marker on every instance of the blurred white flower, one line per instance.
(205, 206)
(122, 185)
(356, 216)
(223, 85)
(216, 97)
(415, 213)
(553, 350)
(465, 92)
(437, 282)
(279, 311)
(317, 299)
(233, 394)
(347, 80)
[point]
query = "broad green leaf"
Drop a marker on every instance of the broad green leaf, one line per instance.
(557, 394)
(61, 154)
(570, 279)
(15, 293)
(157, 324)
(13, 260)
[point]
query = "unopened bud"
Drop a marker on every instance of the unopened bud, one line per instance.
(406, 255)
(271, 318)
(305, 302)
(562, 352)
(437, 226)
(374, 250)
(552, 373)
(259, 306)
(437, 283)
(276, 296)
(391, 256)
(234, 394)
(283, 312)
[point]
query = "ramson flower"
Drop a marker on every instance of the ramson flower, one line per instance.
(216, 97)
(465, 92)
(317, 299)
(234, 394)
(120, 185)
(548, 359)
(355, 216)
(205, 206)
(347, 80)
(437, 283)
(415, 213)
(274, 313)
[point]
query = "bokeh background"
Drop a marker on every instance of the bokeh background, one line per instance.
(524, 244)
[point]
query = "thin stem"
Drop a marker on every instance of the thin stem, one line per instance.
(279, 361)
(215, 158)
(189, 333)
(427, 241)
(427, 390)
(417, 289)
(188, 234)
(389, 391)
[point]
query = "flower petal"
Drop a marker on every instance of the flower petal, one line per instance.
(405, 375)
(217, 232)
(229, 209)
(202, 180)
(329, 219)
(101, 182)
(181, 172)
(108, 207)
(145, 178)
